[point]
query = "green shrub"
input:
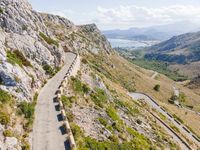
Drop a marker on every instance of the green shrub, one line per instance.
(173, 98)
(175, 128)
(67, 102)
(1, 10)
(5, 97)
(80, 87)
(8, 133)
(112, 114)
(76, 130)
(70, 116)
(157, 87)
(50, 71)
(4, 118)
(99, 97)
(35, 97)
(103, 121)
(189, 106)
(114, 138)
(26, 146)
(139, 140)
(85, 88)
(77, 85)
(27, 109)
(48, 39)
(182, 97)
(84, 61)
(107, 145)
(128, 107)
(16, 57)
(119, 126)
(179, 119)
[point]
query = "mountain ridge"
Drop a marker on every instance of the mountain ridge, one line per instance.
(161, 32)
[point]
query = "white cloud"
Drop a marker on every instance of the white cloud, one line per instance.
(131, 16)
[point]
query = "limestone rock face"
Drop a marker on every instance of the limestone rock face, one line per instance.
(39, 39)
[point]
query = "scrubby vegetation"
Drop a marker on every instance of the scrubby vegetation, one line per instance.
(6, 101)
(48, 39)
(49, 70)
(103, 121)
(5, 97)
(79, 87)
(157, 87)
(179, 119)
(138, 141)
(112, 114)
(114, 75)
(181, 98)
(8, 133)
(4, 118)
(16, 57)
(27, 110)
(99, 97)
(161, 67)
(67, 101)
(1, 10)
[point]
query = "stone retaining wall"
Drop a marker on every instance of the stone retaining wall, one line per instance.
(73, 69)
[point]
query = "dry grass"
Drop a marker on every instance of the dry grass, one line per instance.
(190, 118)
(190, 70)
(141, 80)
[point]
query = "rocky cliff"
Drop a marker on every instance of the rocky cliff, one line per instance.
(32, 47)
(42, 40)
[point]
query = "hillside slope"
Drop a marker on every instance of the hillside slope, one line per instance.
(100, 112)
(182, 52)
(179, 49)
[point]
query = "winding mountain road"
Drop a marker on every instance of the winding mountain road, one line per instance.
(182, 128)
(47, 128)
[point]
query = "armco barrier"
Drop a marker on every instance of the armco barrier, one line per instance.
(72, 71)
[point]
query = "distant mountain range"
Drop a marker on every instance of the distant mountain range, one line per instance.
(180, 49)
(161, 33)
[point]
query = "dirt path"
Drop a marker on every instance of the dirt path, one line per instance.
(154, 75)
(156, 106)
(47, 128)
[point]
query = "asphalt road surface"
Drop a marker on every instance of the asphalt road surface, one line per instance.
(47, 129)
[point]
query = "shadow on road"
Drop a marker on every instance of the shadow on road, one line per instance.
(67, 145)
(62, 130)
(57, 107)
(59, 117)
(55, 99)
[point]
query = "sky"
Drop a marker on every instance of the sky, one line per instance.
(122, 14)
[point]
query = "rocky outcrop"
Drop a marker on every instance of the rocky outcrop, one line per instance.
(30, 40)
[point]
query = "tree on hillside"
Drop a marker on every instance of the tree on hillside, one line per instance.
(157, 87)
